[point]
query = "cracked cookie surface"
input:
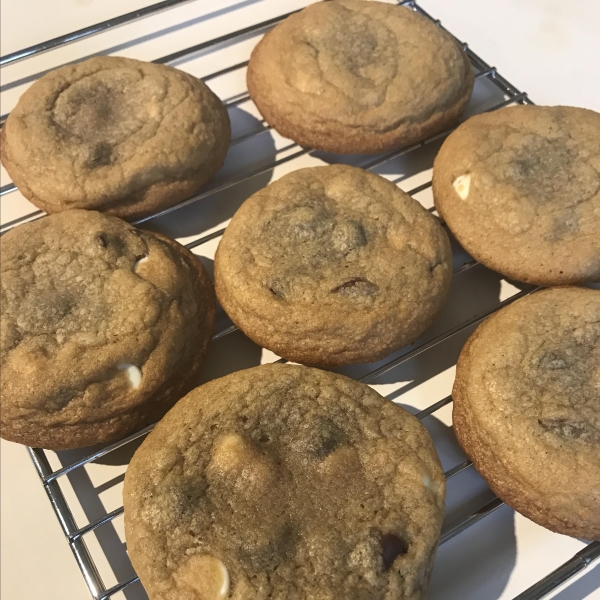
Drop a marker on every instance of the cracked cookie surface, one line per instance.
(117, 135)
(104, 327)
(332, 265)
(352, 76)
(520, 190)
(284, 482)
(527, 407)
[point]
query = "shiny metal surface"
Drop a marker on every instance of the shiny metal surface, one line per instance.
(74, 533)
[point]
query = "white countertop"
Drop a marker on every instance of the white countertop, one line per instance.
(549, 48)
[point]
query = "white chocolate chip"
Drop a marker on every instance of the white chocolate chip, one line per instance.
(139, 262)
(462, 184)
(134, 373)
(152, 109)
(206, 575)
(428, 483)
(234, 457)
(225, 584)
(232, 452)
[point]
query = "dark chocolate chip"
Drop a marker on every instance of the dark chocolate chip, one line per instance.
(526, 166)
(349, 236)
(391, 547)
(434, 265)
(566, 429)
(101, 239)
(276, 288)
(553, 361)
(326, 447)
(101, 155)
(360, 236)
(356, 286)
(326, 438)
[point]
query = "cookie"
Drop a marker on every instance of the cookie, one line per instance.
(104, 328)
(117, 135)
(331, 266)
(520, 190)
(527, 407)
(284, 482)
(351, 76)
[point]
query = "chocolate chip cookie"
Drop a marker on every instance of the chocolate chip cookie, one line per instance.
(284, 482)
(520, 190)
(331, 266)
(104, 328)
(352, 76)
(117, 135)
(527, 407)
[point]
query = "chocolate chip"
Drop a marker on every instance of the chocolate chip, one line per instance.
(348, 236)
(391, 547)
(357, 286)
(326, 438)
(553, 361)
(101, 239)
(433, 266)
(565, 428)
(276, 288)
(526, 166)
(360, 236)
(326, 447)
(101, 155)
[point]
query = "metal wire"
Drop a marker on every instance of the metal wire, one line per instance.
(239, 179)
(548, 584)
(213, 44)
(80, 34)
(74, 533)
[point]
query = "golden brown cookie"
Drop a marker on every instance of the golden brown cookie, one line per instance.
(527, 407)
(331, 266)
(117, 135)
(352, 76)
(520, 190)
(104, 328)
(288, 483)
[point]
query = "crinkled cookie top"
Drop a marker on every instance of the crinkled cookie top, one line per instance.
(105, 130)
(358, 69)
(284, 482)
(335, 260)
(94, 314)
(529, 393)
(520, 189)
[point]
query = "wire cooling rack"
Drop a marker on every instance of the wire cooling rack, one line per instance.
(493, 91)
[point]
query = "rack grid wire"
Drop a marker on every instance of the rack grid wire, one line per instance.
(50, 478)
